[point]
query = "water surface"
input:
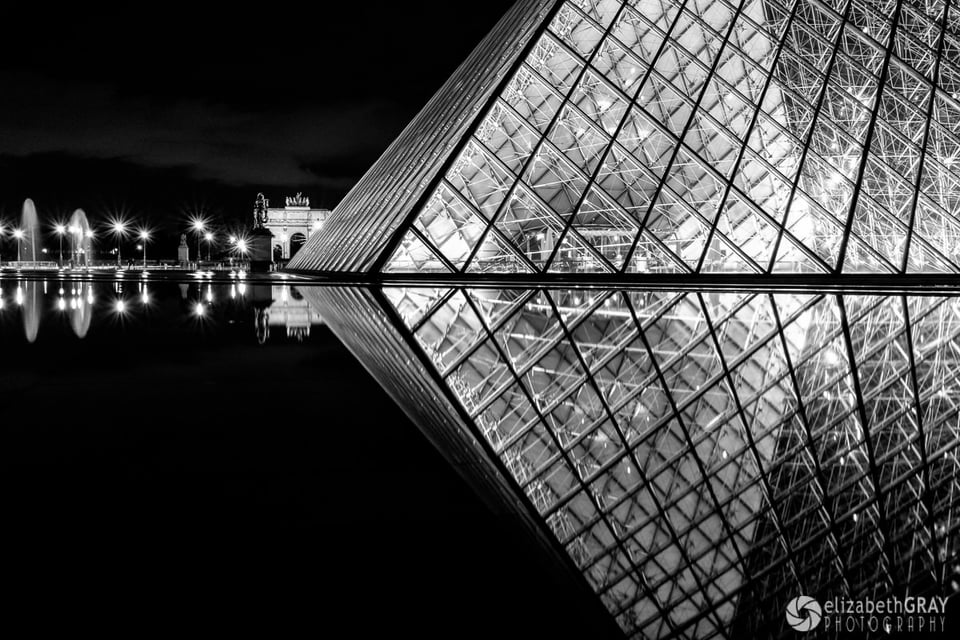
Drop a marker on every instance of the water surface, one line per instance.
(202, 448)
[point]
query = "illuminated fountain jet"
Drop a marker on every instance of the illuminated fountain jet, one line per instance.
(81, 238)
(28, 235)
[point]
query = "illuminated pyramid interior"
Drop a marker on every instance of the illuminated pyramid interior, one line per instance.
(700, 453)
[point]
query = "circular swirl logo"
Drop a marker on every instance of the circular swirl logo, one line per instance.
(804, 613)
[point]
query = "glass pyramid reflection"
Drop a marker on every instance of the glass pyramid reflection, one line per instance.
(699, 449)
(700, 458)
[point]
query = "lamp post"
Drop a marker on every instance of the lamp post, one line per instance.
(60, 229)
(18, 234)
(119, 230)
(88, 259)
(242, 247)
(199, 226)
(75, 231)
(209, 239)
(144, 236)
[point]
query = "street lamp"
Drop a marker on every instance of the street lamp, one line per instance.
(88, 259)
(119, 228)
(232, 241)
(60, 229)
(75, 231)
(209, 238)
(198, 224)
(144, 236)
(18, 234)
(242, 247)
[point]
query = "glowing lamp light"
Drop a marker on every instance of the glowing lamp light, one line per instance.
(60, 229)
(144, 235)
(120, 306)
(61, 304)
(200, 309)
(208, 237)
(18, 234)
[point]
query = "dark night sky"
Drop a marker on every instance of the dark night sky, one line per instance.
(161, 109)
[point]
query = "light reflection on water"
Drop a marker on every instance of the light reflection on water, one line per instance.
(32, 308)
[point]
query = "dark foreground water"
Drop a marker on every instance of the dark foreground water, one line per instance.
(204, 455)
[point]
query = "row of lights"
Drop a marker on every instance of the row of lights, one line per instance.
(119, 229)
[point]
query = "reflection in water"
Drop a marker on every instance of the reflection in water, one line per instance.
(281, 306)
(81, 310)
(54, 304)
(289, 309)
(701, 457)
(33, 298)
(29, 296)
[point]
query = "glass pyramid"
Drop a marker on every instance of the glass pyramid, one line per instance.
(665, 136)
(675, 283)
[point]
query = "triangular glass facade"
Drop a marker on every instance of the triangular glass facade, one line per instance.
(699, 136)
(637, 271)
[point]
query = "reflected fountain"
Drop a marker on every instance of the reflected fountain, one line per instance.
(78, 304)
(81, 311)
(30, 300)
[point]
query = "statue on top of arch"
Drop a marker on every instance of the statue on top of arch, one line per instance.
(298, 200)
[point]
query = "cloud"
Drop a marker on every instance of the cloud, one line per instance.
(285, 144)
